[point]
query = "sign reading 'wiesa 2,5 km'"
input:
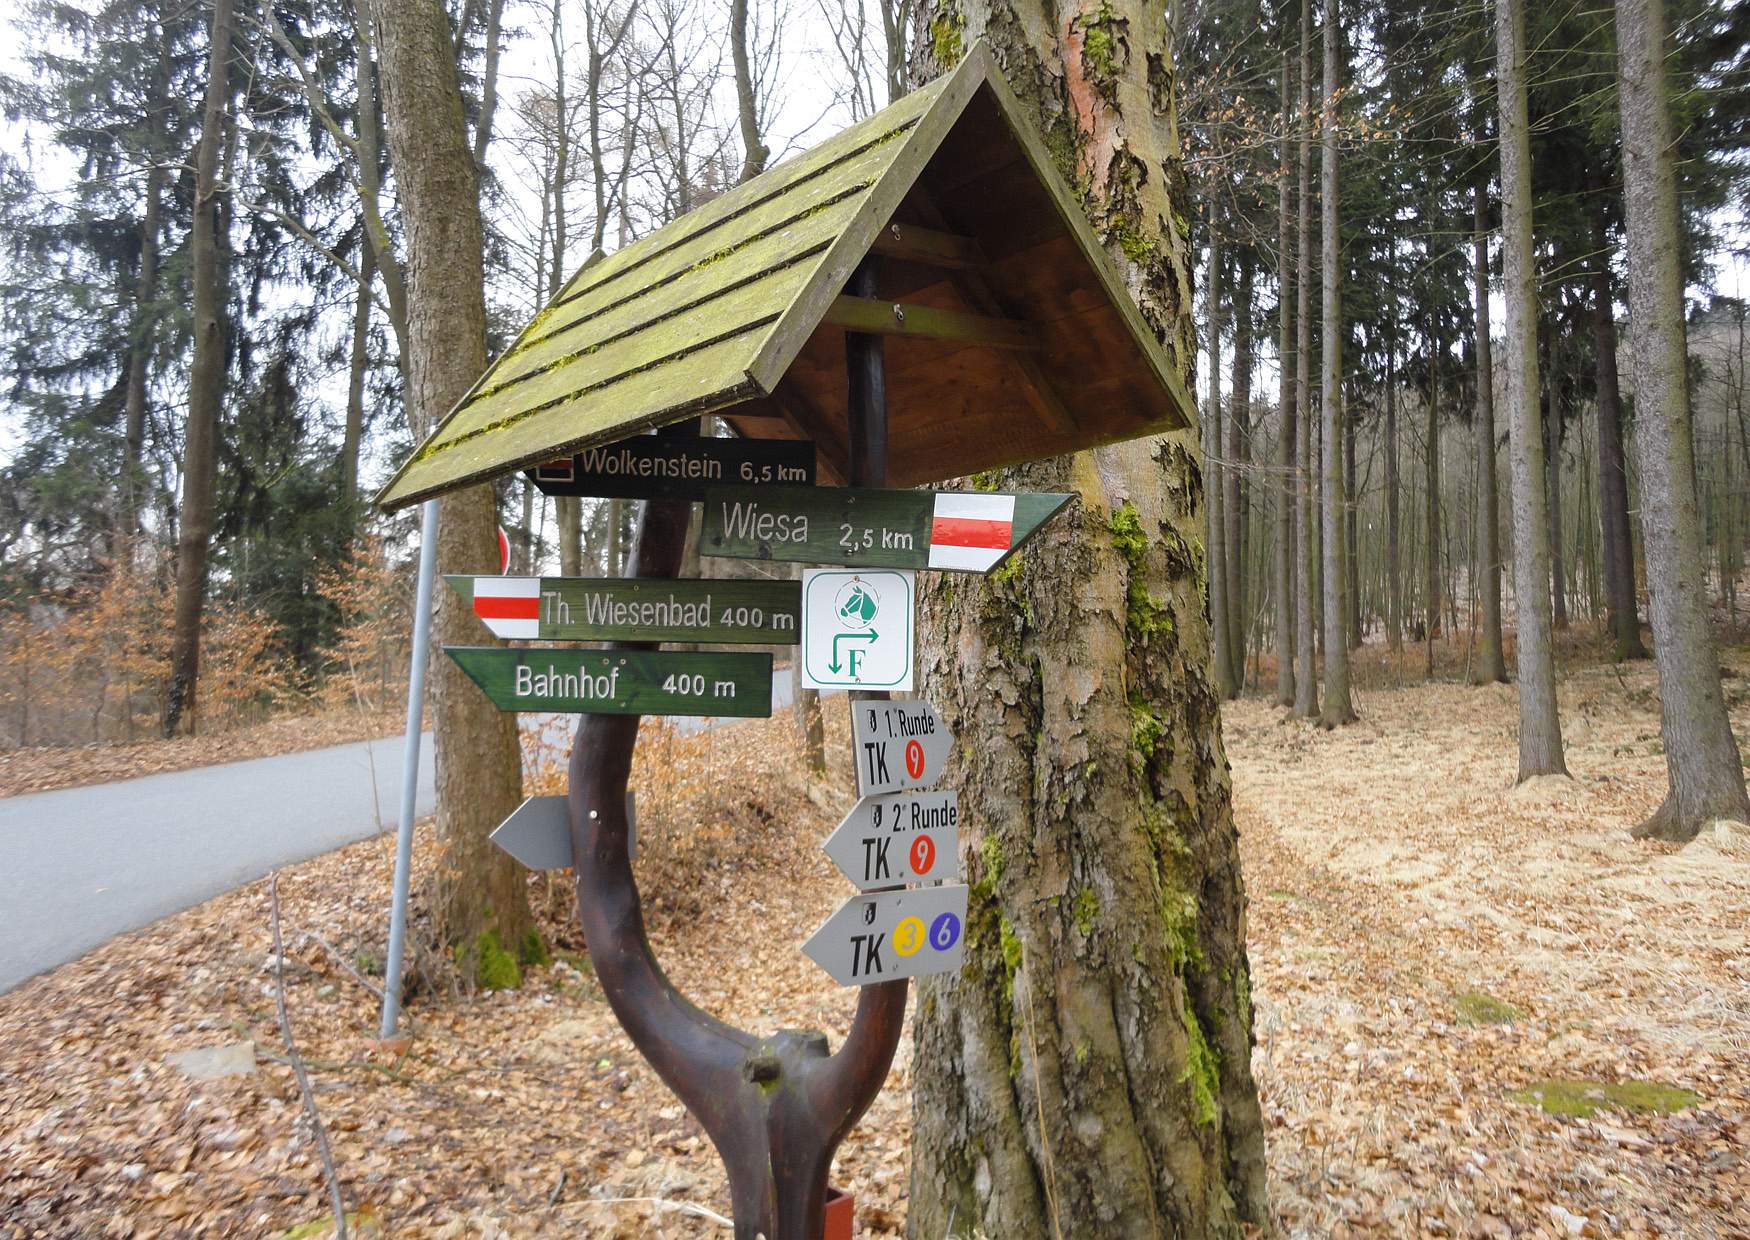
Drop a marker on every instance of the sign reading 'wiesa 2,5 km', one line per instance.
(966, 532)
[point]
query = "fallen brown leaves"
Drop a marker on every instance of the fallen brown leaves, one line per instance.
(41, 768)
(1390, 868)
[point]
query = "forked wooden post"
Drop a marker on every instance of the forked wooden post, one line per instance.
(776, 1108)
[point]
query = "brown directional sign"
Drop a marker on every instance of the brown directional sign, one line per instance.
(621, 682)
(665, 467)
(663, 609)
(958, 531)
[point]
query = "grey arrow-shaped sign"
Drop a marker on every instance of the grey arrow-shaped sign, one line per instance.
(898, 745)
(538, 833)
(892, 934)
(904, 837)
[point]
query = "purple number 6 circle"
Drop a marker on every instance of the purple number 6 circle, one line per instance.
(944, 932)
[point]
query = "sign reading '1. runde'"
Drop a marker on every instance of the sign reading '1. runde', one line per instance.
(966, 532)
(672, 467)
(898, 745)
(621, 682)
(661, 609)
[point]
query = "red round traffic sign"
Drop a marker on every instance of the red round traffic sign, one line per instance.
(914, 759)
(923, 855)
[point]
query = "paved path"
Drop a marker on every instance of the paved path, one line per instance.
(81, 865)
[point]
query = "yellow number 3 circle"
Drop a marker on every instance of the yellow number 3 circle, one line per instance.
(908, 936)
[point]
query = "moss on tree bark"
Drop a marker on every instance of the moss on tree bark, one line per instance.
(1089, 1072)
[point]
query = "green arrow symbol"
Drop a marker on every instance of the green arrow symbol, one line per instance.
(870, 636)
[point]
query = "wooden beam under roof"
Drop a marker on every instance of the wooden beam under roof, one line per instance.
(1041, 393)
(892, 318)
(931, 247)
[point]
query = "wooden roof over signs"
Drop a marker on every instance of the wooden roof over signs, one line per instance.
(1010, 335)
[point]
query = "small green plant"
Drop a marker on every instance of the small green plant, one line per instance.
(1476, 1008)
(1583, 1099)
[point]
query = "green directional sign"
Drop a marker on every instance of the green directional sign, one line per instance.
(621, 682)
(662, 609)
(967, 532)
(672, 467)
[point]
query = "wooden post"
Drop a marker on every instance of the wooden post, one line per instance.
(776, 1108)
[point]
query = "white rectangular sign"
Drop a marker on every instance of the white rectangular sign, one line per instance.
(892, 934)
(904, 837)
(898, 745)
(857, 628)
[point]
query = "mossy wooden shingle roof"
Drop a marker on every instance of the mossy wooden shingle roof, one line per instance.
(736, 309)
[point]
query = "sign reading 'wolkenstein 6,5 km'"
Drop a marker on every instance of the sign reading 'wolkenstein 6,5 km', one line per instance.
(663, 609)
(967, 532)
(621, 682)
(666, 467)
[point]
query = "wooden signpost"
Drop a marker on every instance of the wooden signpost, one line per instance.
(621, 682)
(966, 532)
(663, 467)
(669, 609)
(1027, 346)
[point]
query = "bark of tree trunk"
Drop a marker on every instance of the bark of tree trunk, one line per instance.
(1351, 533)
(754, 152)
(479, 894)
(1540, 728)
(1431, 509)
(1088, 1072)
(1234, 491)
(1284, 490)
(1491, 664)
(1558, 568)
(1701, 754)
(1394, 576)
(358, 365)
(1619, 547)
(1338, 709)
(206, 386)
(1306, 685)
(133, 477)
(1213, 478)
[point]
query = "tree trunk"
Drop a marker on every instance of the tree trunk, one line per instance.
(1540, 728)
(1213, 479)
(1619, 546)
(1701, 754)
(1431, 507)
(479, 896)
(1306, 685)
(1088, 1072)
(1284, 489)
(1491, 665)
(206, 386)
(754, 152)
(133, 477)
(1394, 573)
(1558, 569)
(1338, 709)
(1234, 490)
(1351, 534)
(358, 365)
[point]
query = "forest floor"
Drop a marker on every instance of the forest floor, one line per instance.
(1426, 944)
(40, 768)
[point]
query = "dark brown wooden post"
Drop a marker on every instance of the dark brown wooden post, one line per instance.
(776, 1108)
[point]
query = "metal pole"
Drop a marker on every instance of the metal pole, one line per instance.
(417, 656)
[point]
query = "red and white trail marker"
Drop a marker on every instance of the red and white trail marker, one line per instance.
(971, 532)
(509, 606)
